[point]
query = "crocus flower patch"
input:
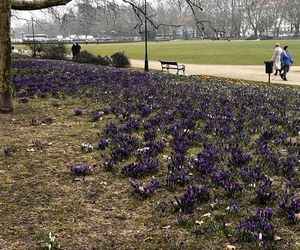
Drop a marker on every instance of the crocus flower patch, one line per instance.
(290, 206)
(144, 190)
(193, 196)
(232, 145)
(258, 227)
(81, 170)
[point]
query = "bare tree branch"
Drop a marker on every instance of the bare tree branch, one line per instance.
(37, 4)
(140, 11)
(201, 23)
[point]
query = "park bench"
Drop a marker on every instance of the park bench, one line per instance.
(172, 65)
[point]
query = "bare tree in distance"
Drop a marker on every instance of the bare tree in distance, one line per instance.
(293, 11)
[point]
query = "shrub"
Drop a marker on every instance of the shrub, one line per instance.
(119, 60)
(19, 56)
(56, 51)
(86, 57)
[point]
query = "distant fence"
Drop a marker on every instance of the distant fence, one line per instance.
(97, 41)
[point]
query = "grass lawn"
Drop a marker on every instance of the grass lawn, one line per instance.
(200, 52)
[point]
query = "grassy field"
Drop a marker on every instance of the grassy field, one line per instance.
(200, 52)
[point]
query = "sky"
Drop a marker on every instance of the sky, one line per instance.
(22, 17)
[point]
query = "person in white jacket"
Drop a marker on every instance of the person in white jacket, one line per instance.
(276, 59)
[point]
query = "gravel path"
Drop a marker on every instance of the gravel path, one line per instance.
(245, 72)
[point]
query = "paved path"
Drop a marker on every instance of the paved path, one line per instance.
(245, 72)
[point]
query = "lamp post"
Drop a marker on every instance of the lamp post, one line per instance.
(22, 34)
(146, 67)
(34, 49)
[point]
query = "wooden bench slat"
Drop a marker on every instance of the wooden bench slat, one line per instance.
(172, 65)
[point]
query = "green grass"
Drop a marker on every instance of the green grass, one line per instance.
(198, 52)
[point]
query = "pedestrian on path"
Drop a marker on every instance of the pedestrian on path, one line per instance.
(78, 48)
(276, 58)
(75, 49)
(286, 62)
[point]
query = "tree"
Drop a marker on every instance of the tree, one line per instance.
(5, 44)
(276, 16)
(256, 12)
(293, 14)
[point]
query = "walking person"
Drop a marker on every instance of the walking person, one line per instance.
(78, 48)
(276, 59)
(286, 62)
(73, 50)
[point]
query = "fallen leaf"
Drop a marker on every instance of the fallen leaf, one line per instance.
(149, 238)
(206, 215)
(166, 227)
(165, 157)
(228, 224)
(230, 247)
(213, 205)
(199, 222)
(277, 238)
(30, 149)
(297, 216)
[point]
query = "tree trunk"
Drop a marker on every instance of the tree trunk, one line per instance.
(255, 32)
(297, 26)
(5, 59)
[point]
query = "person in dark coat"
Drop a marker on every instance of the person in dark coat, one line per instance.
(78, 48)
(73, 49)
(286, 62)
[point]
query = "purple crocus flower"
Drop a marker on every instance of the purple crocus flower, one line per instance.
(9, 151)
(78, 111)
